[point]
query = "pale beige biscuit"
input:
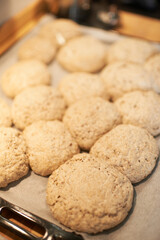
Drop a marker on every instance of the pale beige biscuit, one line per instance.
(122, 77)
(76, 86)
(13, 158)
(130, 50)
(59, 31)
(86, 194)
(88, 119)
(82, 54)
(152, 65)
(37, 103)
(37, 48)
(131, 149)
(141, 109)
(49, 144)
(5, 114)
(24, 74)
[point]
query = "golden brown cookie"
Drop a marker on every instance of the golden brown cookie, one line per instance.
(76, 86)
(152, 65)
(5, 114)
(130, 50)
(86, 194)
(37, 103)
(122, 77)
(13, 158)
(82, 54)
(141, 109)
(23, 74)
(59, 31)
(88, 119)
(132, 150)
(49, 144)
(37, 48)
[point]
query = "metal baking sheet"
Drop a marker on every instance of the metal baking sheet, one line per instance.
(30, 192)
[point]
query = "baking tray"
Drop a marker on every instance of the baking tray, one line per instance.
(30, 192)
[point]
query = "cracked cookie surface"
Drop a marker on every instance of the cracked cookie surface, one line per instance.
(13, 158)
(86, 194)
(37, 103)
(88, 119)
(141, 109)
(49, 144)
(132, 150)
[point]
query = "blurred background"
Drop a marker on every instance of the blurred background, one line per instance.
(88, 12)
(94, 12)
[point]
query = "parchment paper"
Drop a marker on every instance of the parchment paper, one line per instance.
(143, 222)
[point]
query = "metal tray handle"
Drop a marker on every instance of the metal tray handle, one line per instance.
(52, 231)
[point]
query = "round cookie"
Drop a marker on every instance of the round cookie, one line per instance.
(122, 77)
(152, 65)
(76, 86)
(60, 30)
(82, 54)
(132, 150)
(98, 199)
(24, 74)
(141, 109)
(88, 119)
(5, 116)
(37, 103)
(130, 50)
(37, 48)
(49, 144)
(13, 158)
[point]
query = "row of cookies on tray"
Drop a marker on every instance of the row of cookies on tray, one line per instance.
(112, 115)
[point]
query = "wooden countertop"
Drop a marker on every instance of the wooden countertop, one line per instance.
(139, 26)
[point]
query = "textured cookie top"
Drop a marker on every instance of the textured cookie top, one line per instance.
(24, 74)
(89, 119)
(152, 65)
(122, 77)
(82, 54)
(49, 144)
(13, 159)
(37, 103)
(132, 150)
(131, 50)
(76, 86)
(88, 195)
(5, 114)
(37, 48)
(141, 109)
(60, 30)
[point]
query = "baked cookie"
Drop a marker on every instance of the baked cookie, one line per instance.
(49, 144)
(60, 30)
(76, 86)
(5, 114)
(122, 77)
(37, 103)
(131, 149)
(152, 65)
(82, 54)
(88, 195)
(24, 74)
(88, 119)
(141, 109)
(130, 50)
(37, 48)
(13, 158)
